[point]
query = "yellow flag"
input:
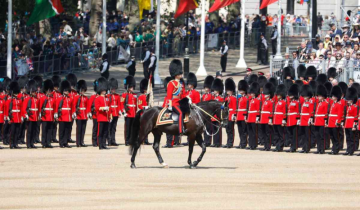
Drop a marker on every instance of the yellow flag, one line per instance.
(143, 4)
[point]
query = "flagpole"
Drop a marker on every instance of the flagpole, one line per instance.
(103, 49)
(9, 42)
(157, 79)
(278, 55)
(202, 71)
(241, 63)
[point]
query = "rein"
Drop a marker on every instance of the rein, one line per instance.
(207, 132)
(207, 113)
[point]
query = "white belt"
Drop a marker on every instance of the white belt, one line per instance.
(333, 115)
(65, 108)
(146, 107)
(131, 105)
(15, 110)
(1, 112)
(33, 109)
(253, 111)
(231, 109)
(242, 110)
(114, 106)
(304, 114)
(82, 108)
(319, 115)
(350, 117)
(265, 112)
(48, 109)
(294, 113)
(278, 113)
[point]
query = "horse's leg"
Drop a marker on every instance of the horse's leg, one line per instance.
(135, 149)
(201, 143)
(156, 147)
(191, 140)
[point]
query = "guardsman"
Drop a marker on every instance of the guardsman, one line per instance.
(288, 73)
(357, 133)
(23, 80)
(335, 119)
(307, 109)
(2, 107)
(39, 82)
(262, 81)
(114, 100)
(55, 95)
(92, 115)
(293, 114)
(224, 52)
(7, 97)
(103, 114)
(207, 96)
(13, 114)
(46, 113)
(313, 85)
(128, 102)
(142, 100)
(343, 102)
(80, 110)
(231, 100)
(328, 87)
(241, 112)
(279, 117)
(64, 114)
(253, 115)
(266, 115)
(73, 82)
(301, 71)
(331, 73)
(350, 120)
(193, 94)
(311, 74)
(218, 88)
(320, 118)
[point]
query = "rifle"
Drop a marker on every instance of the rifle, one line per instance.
(28, 108)
(44, 106)
(237, 103)
(11, 108)
(78, 105)
(93, 111)
(60, 107)
(126, 102)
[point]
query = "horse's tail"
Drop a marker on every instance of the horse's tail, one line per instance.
(135, 127)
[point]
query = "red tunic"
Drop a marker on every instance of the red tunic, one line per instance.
(128, 104)
(33, 110)
(207, 97)
(254, 110)
(91, 105)
(232, 106)
(142, 103)
(266, 111)
(2, 109)
(49, 108)
(114, 100)
(293, 112)
(279, 112)
(102, 116)
(80, 107)
(242, 108)
(321, 113)
(174, 92)
(66, 109)
(14, 112)
(220, 99)
(307, 110)
(351, 115)
(194, 95)
(335, 115)
(2, 95)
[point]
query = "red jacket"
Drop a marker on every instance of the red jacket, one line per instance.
(128, 104)
(165, 103)
(142, 103)
(335, 114)
(47, 114)
(102, 116)
(254, 110)
(56, 95)
(80, 107)
(114, 100)
(2, 95)
(207, 97)
(39, 95)
(293, 112)
(66, 109)
(321, 113)
(174, 92)
(232, 106)
(220, 99)
(279, 112)
(194, 95)
(2, 110)
(91, 105)
(31, 107)
(307, 110)
(13, 110)
(72, 94)
(243, 105)
(351, 115)
(266, 111)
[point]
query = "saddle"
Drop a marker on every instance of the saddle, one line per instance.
(167, 117)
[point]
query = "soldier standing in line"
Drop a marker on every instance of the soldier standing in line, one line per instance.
(39, 83)
(7, 97)
(102, 107)
(13, 114)
(343, 102)
(92, 115)
(293, 114)
(207, 96)
(279, 117)
(128, 103)
(266, 115)
(350, 120)
(142, 101)
(114, 100)
(23, 80)
(307, 109)
(55, 94)
(80, 109)
(335, 119)
(253, 115)
(320, 117)
(231, 100)
(46, 114)
(73, 93)
(242, 109)
(30, 110)
(218, 88)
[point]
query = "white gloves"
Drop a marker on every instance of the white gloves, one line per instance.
(125, 115)
(284, 122)
(26, 116)
(170, 108)
(22, 119)
(74, 116)
(120, 113)
(56, 116)
(270, 121)
(190, 102)
(257, 119)
(233, 118)
(298, 122)
(40, 116)
(106, 108)
(89, 115)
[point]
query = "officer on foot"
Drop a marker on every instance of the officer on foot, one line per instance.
(224, 52)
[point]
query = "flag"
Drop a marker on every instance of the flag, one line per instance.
(220, 4)
(185, 6)
(143, 5)
(266, 3)
(45, 9)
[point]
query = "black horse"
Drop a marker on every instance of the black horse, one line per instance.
(200, 114)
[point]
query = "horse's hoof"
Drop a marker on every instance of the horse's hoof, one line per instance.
(189, 162)
(132, 165)
(195, 163)
(192, 167)
(164, 165)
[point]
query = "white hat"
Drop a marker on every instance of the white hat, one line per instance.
(327, 36)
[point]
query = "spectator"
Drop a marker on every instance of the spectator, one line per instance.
(111, 41)
(351, 81)
(327, 41)
(335, 31)
(295, 63)
(355, 50)
(334, 82)
(67, 28)
(320, 50)
(346, 31)
(287, 60)
(319, 21)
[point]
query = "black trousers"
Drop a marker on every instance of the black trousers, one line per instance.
(341, 138)
(305, 137)
(274, 46)
(146, 69)
(1, 131)
(94, 133)
(72, 123)
(64, 133)
(327, 139)
(112, 130)
(313, 136)
(128, 123)
(294, 139)
(172, 139)
(102, 133)
(275, 137)
(223, 63)
(357, 140)
(261, 134)
(14, 134)
(31, 133)
(242, 129)
(46, 133)
(267, 135)
(334, 136)
(320, 138)
(350, 140)
(54, 130)
(6, 132)
(231, 133)
(80, 132)
(217, 138)
(252, 131)
(38, 131)
(22, 131)
(279, 130)
(209, 128)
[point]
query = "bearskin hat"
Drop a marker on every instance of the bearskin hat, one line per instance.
(175, 68)
(39, 81)
(191, 80)
(6, 83)
(65, 86)
(321, 79)
(269, 89)
(102, 85)
(31, 86)
(288, 72)
(81, 85)
(343, 87)
(281, 90)
(208, 81)
(217, 85)
(262, 81)
(14, 87)
(72, 79)
(166, 81)
(274, 81)
(300, 83)
(23, 80)
(331, 73)
(143, 85)
(313, 85)
(129, 82)
(294, 91)
(328, 87)
(306, 91)
(56, 80)
(243, 86)
(253, 78)
(301, 71)
(321, 91)
(113, 84)
(254, 89)
(288, 83)
(336, 91)
(311, 72)
(230, 85)
(352, 94)
(48, 85)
